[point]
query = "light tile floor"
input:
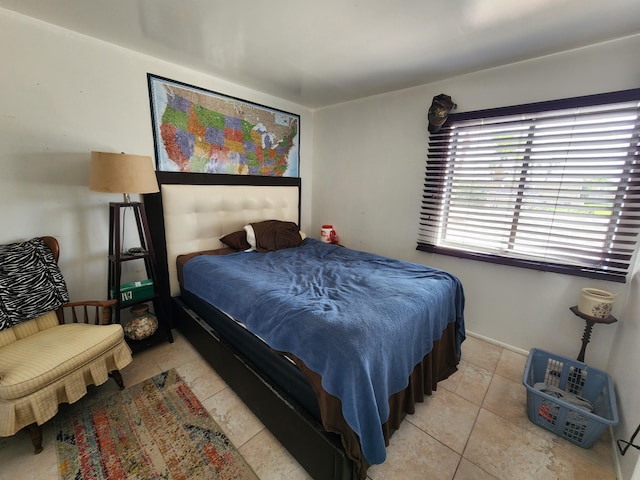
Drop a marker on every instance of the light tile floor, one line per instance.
(474, 427)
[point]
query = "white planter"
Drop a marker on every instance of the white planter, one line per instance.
(596, 303)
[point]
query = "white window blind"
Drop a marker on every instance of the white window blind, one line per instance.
(552, 186)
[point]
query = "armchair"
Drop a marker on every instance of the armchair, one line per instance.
(51, 359)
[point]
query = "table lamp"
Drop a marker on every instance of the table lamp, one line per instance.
(122, 173)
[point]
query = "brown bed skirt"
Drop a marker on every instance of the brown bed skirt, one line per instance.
(437, 365)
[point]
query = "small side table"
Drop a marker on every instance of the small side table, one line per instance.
(587, 329)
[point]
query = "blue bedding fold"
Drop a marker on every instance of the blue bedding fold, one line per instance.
(360, 320)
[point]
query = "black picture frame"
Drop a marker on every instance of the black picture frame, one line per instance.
(201, 131)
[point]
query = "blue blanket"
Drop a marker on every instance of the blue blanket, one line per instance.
(361, 321)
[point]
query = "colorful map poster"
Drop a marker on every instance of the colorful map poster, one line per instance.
(197, 130)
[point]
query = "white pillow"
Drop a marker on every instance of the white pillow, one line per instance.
(251, 238)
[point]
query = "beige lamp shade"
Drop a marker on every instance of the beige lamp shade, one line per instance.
(122, 173)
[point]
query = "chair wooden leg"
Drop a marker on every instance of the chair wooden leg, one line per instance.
(35, 431)
(117, 376)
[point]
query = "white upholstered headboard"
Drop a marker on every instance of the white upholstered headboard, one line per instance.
(196, 216)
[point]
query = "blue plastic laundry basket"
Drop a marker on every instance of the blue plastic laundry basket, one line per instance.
(562, 418)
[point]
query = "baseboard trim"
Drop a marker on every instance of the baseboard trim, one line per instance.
(498, 343)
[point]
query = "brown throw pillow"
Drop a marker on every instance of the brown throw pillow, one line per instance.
(236, 240)
(275, 235)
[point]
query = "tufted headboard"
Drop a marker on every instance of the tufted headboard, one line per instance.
(192, 211)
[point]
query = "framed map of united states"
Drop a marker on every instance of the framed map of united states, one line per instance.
(198, 130)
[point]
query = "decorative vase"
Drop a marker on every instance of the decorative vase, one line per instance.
(143, 323)
(596, 303)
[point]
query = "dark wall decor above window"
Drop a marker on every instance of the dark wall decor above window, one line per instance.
(439, 110)
(552, 186)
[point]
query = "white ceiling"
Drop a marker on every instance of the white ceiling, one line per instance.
(322, 52)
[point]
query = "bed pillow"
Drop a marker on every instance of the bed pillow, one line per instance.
(272, 235)
(236, 240)
(251, 238)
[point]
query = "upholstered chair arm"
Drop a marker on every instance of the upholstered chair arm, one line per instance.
(97, 312)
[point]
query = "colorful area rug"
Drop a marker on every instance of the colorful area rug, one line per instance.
(154, 430)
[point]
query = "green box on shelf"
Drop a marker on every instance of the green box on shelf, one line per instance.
(134, 291)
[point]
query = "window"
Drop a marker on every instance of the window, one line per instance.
(552, 186)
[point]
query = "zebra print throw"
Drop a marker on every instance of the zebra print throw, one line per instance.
(31, 283)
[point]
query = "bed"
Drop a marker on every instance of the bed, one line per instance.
(334, 412)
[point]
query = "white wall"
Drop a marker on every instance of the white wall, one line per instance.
(64, 95)
(369, 163)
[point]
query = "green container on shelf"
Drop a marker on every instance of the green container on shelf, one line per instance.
(135, 291)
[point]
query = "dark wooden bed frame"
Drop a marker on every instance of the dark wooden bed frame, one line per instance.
(318, 451)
